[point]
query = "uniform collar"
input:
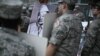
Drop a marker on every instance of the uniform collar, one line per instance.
(69, 12)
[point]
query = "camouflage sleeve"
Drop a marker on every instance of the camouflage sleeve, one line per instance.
(90, 39)
(59, 33)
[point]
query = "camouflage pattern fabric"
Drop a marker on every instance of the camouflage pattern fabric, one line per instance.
(92, 40)
(12, 44)
(66, 35)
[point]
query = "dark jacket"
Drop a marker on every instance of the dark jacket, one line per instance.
(92, 40)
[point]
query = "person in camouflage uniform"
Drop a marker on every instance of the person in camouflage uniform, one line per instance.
(66, 33)
(12, 42)
(92, 40)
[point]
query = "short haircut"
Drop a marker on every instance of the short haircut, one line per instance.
(10, 23)
(43, 1)
(98, 5)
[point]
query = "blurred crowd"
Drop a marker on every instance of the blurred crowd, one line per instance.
(74, 32)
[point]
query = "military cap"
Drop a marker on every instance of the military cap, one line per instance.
(10, 9)
(66, 1)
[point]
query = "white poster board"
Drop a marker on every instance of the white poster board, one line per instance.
(39, 44)
(48, 24)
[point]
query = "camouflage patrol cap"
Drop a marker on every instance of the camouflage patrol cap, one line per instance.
(10, 9)
(70, 3)
(66, 1)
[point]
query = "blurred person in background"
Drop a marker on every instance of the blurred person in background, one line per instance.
(11, 39)
(78, 12)
(40, 9)
(66, 32)
(92, 40)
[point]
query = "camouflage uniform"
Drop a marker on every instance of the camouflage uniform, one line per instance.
(92, 42)
(13, 43)
(66, 35)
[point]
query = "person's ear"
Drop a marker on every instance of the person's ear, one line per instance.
(99, 11)
(64, 6)
(19, 28)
